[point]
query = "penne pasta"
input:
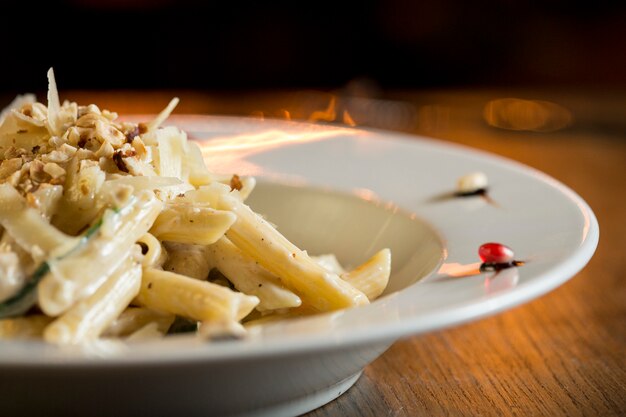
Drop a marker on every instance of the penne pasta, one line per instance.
(153, 252)
(67, 282)
(221, 330)
(87, 319)
(249, 277)
(191, 298)
(184, 223)
(189, 260)
(148, 332)
(135, 318)
(165, 187)
(19, 221)
(320, 288)
(371, 278)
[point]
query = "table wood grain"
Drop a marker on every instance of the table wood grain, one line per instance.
(563, 354)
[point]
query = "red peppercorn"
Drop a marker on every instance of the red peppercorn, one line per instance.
(495, 253)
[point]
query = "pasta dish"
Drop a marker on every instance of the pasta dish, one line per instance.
(112, 229)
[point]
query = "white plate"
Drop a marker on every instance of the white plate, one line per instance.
(347, 191)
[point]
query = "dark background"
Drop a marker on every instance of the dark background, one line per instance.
(231, 45)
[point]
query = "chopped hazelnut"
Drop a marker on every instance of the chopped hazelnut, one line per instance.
(53, 170)
(36, 171)
(235, 183)
(119, 161)
(10, 166)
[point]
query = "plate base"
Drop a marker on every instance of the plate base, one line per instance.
(307, 403)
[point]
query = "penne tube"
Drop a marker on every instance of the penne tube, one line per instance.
(317, 287)
(278, 315)
(189, 260)
(150, 331)
(135, 318)
(68, 282)
(372, 277)
(153, 252)
(249, 277)
(20, 222)
(167, 187)
(213, 193)
(191, 298)
(184, 223)
(221, 330)
(91, 316)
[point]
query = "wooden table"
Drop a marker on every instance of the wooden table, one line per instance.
(562, 354)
